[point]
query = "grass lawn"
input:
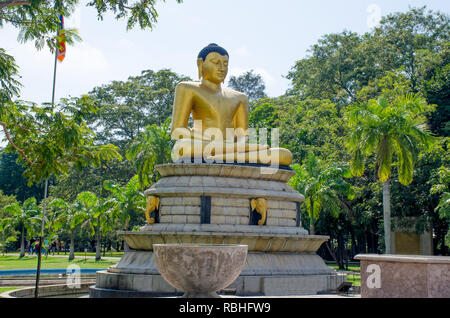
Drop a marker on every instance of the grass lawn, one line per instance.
(49, 262)
(5, 289)
(353, 273)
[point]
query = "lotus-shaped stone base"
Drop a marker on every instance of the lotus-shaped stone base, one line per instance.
(200, 270)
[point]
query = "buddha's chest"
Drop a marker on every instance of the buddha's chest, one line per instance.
(215, 106)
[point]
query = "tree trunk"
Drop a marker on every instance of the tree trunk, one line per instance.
(22, 243)
(340, 248)
(311, 228)
(98, 254)
(333, 255)
(311, 220)
(387, 216)
(72, 245)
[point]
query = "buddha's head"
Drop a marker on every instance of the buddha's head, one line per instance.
(212, 63)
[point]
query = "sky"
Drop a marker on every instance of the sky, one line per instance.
(266, 36)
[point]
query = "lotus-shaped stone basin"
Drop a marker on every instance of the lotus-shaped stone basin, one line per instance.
(200, 270)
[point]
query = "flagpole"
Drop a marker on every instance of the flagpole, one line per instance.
(38, 271)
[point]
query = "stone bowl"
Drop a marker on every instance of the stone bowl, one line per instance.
(200, 270)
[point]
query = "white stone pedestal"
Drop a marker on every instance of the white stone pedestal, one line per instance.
(211, 204)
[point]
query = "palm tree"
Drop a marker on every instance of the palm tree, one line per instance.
(323, 186)
(97, 214)
(152, 147)
(128, 199)
(67, 218)
(88, 215)
(26, 217)
(394, 128)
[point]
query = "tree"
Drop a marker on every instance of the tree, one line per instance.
(442, 188)
(323, 186)
(38, 21)
(67, 219)
(125, 108)
(250, 84)
(313, 125)
(336, 70)
(393, 124)
(127, 201)
(91, 209)
(7, 237)
(6, 200)
(25, 217)
(305, 125)
(434, 84)
(152, 147)
(341, 64)
(12, 181)
(400, 37)
(49, 141)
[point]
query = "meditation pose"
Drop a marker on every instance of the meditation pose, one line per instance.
(220, 128)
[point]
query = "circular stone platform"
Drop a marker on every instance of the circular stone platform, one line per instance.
(211, 204)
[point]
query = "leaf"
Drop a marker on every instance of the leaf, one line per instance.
(384, 158)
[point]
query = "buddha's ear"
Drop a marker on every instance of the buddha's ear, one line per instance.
(200, 68)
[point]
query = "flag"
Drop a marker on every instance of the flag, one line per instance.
(61, 50)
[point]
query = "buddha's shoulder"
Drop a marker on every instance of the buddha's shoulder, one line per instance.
(236, 94)
(188, 85)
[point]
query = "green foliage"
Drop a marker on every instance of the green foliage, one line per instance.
(140, 12)
(9, 73)
(152, 147)
(435, 86)
(341, 64)
(92, 212)
(305, 125)
(250, 84)
(7, 236)
(24, 218)
(49, 141)
(6, 200)
(335, 70)
(393, 123)
(138, 102)
(264, 114)
(323, 186)
(380, 89)
(12, 181)
(400, 37)
(406, 55)
(442, 188)
(23, 215)
(126, 201)
(38, 20)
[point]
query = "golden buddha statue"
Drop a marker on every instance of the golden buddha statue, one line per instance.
(220, 130)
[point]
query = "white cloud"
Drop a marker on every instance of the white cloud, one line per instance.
(266, 76)
(126, 44)
(242, 51)
(84, 60)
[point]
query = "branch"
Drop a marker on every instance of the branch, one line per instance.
(15, 21)
(10, 3)
(8, 136)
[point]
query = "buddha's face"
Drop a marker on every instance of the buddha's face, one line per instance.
(214, 68)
